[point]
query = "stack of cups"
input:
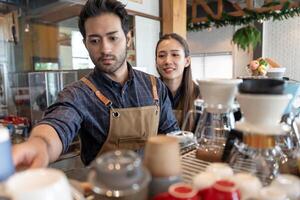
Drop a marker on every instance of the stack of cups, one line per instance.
(162, 158)
(6, 166)
(205, 181)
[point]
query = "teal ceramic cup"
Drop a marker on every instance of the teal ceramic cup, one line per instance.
(6, 164)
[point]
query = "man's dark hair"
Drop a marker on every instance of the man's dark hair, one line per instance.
(94, 8)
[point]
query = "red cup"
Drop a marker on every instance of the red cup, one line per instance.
(162, 196)
(225, 190)
(179, 191)
(204, 193)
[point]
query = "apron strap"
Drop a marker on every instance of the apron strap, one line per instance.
(106, 101)
(100, 96)
(154, 88)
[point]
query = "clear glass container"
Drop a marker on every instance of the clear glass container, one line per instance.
(119, 175)
(211, 132)
(259, 155)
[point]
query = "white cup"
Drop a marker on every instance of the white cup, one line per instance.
(222, 170)
(272, 193)
(204, 180)
(248, 184)
(39, 184)
(289, 183)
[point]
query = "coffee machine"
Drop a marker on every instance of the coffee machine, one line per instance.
(217, 117)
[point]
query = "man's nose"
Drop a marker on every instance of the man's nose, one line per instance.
(106, 47)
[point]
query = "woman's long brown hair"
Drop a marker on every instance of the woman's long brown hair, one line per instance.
(189, 89)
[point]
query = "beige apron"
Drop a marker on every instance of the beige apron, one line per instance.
(129, 127)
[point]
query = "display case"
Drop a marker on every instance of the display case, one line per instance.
(43, 89)
(3, 90)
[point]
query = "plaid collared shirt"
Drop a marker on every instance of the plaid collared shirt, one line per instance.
(78, 110)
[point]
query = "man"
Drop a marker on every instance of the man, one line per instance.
(114, 107)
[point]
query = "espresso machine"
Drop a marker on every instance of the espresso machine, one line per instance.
(217, 117)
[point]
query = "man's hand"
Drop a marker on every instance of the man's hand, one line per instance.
(43, 146)
(31, 154)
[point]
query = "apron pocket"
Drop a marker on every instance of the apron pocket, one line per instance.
(132, 143)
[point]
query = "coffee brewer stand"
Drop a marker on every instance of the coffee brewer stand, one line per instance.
(258, 152)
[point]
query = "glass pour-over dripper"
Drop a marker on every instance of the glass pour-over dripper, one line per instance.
(217, 118)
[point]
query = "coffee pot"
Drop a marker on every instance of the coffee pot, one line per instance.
(217, 117)
(258, 151)
(290, 142)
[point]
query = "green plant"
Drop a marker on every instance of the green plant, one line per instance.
(247, 37)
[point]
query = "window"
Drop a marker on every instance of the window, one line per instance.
(212, 65)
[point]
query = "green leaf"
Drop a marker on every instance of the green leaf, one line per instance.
(246, 37)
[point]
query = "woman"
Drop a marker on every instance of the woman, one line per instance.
(173, 63)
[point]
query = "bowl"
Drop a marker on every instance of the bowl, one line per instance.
(276, 72)
(262, 86)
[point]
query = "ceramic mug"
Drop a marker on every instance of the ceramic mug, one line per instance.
(36, 184)
(222, 170)
(289, 183)
(179, 191)
(225, 190)
(162, 156)
(6, 167)
(248, 185)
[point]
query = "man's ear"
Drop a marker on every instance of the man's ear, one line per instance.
(187, 61)
(128, 39)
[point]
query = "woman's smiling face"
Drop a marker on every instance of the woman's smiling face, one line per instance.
(170, 59)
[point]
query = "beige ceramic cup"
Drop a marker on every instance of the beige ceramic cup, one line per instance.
(38, 184)
(162, 156)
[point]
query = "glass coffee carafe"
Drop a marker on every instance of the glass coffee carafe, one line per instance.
(217, 117)
(290, 142)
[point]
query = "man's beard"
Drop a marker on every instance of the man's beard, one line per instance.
(109, 69)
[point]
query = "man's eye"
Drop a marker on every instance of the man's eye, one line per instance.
(175, 55)
(161, 56)
(94, 41)
(113, 38)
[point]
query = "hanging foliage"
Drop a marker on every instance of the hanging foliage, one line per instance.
(247, 37)
(249, 18)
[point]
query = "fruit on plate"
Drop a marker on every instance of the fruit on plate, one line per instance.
(261, 66)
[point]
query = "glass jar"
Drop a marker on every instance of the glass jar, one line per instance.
(119, 175)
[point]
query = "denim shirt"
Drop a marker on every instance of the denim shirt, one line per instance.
(78, 110)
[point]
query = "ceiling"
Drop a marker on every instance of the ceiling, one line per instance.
(7, 6)
(53, 11)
